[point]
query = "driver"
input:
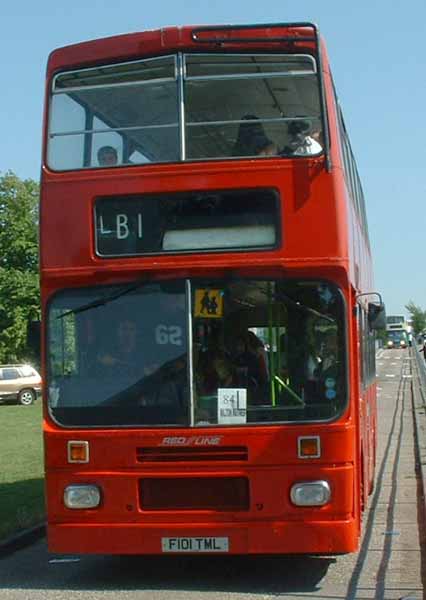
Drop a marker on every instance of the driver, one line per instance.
(124, 358)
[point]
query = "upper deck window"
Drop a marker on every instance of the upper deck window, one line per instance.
(185, 107)
(131, 108)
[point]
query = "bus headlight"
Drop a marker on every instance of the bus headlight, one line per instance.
(310, 493)
(82, 496)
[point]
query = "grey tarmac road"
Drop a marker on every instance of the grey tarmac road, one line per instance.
(388, 566)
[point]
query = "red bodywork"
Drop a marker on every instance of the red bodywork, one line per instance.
(321, 237)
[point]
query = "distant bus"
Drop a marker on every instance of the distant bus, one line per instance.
(206, 275)
(398, 332)
(395, 322)
(397, 338)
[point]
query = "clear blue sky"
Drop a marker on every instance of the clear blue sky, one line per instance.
(376, 50)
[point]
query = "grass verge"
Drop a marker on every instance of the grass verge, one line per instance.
(21, 468)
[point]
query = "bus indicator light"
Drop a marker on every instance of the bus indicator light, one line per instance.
(309, 447)
(78, 452)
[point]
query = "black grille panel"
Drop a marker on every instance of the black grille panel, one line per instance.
(194, 493)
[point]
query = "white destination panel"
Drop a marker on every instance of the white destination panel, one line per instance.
(195, 544)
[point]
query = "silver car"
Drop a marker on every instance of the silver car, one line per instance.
(19, 383)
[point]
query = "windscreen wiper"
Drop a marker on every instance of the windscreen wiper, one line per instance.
(302, 307)
(106, 299)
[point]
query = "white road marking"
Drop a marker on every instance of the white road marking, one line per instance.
(63, 560)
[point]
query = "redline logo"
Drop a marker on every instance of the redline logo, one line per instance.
(195, 440)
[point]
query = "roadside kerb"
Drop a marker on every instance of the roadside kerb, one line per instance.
(418, 383)
(22, 538)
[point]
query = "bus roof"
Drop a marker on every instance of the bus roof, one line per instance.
(204, 38)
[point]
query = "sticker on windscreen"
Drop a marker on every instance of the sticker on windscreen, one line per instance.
(208, 303)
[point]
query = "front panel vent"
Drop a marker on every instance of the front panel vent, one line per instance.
(192, 454)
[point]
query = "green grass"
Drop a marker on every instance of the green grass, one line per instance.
(21, 468)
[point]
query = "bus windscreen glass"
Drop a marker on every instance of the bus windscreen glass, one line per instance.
(197, 353)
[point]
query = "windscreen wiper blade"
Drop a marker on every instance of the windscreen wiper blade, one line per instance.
(105, 300)
(303, 308)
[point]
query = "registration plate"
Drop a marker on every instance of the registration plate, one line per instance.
(195, 544)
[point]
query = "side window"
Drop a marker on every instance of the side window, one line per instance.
(372, 340)
(27, 371)
(66, 115)
(62, 344)
(130, 109)
(362, 371)
(254, 105)
(10, 374)
(367, 358)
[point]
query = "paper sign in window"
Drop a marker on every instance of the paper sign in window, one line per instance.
(231, 406)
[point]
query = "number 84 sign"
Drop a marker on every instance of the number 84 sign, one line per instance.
(231, 405)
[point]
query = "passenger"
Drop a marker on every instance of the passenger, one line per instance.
(316, 136)
(256, 346)
(329, 354)
(249, 365)
(215, 371)
(283, 366)
(423, 348)
(107, 156)
(313, 367)
(303, 139)
(252, 139)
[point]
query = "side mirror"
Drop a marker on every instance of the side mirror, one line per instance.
(376, 316)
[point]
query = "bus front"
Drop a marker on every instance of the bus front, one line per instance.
(195, 347)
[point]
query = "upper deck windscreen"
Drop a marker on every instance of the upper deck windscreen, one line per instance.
(395, 320)
(185, 107)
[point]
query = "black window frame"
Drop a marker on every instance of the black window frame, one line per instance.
(274, 197)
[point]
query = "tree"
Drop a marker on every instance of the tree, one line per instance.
(418, 317)
(19, 284)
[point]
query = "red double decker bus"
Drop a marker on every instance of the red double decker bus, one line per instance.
(208, 346)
